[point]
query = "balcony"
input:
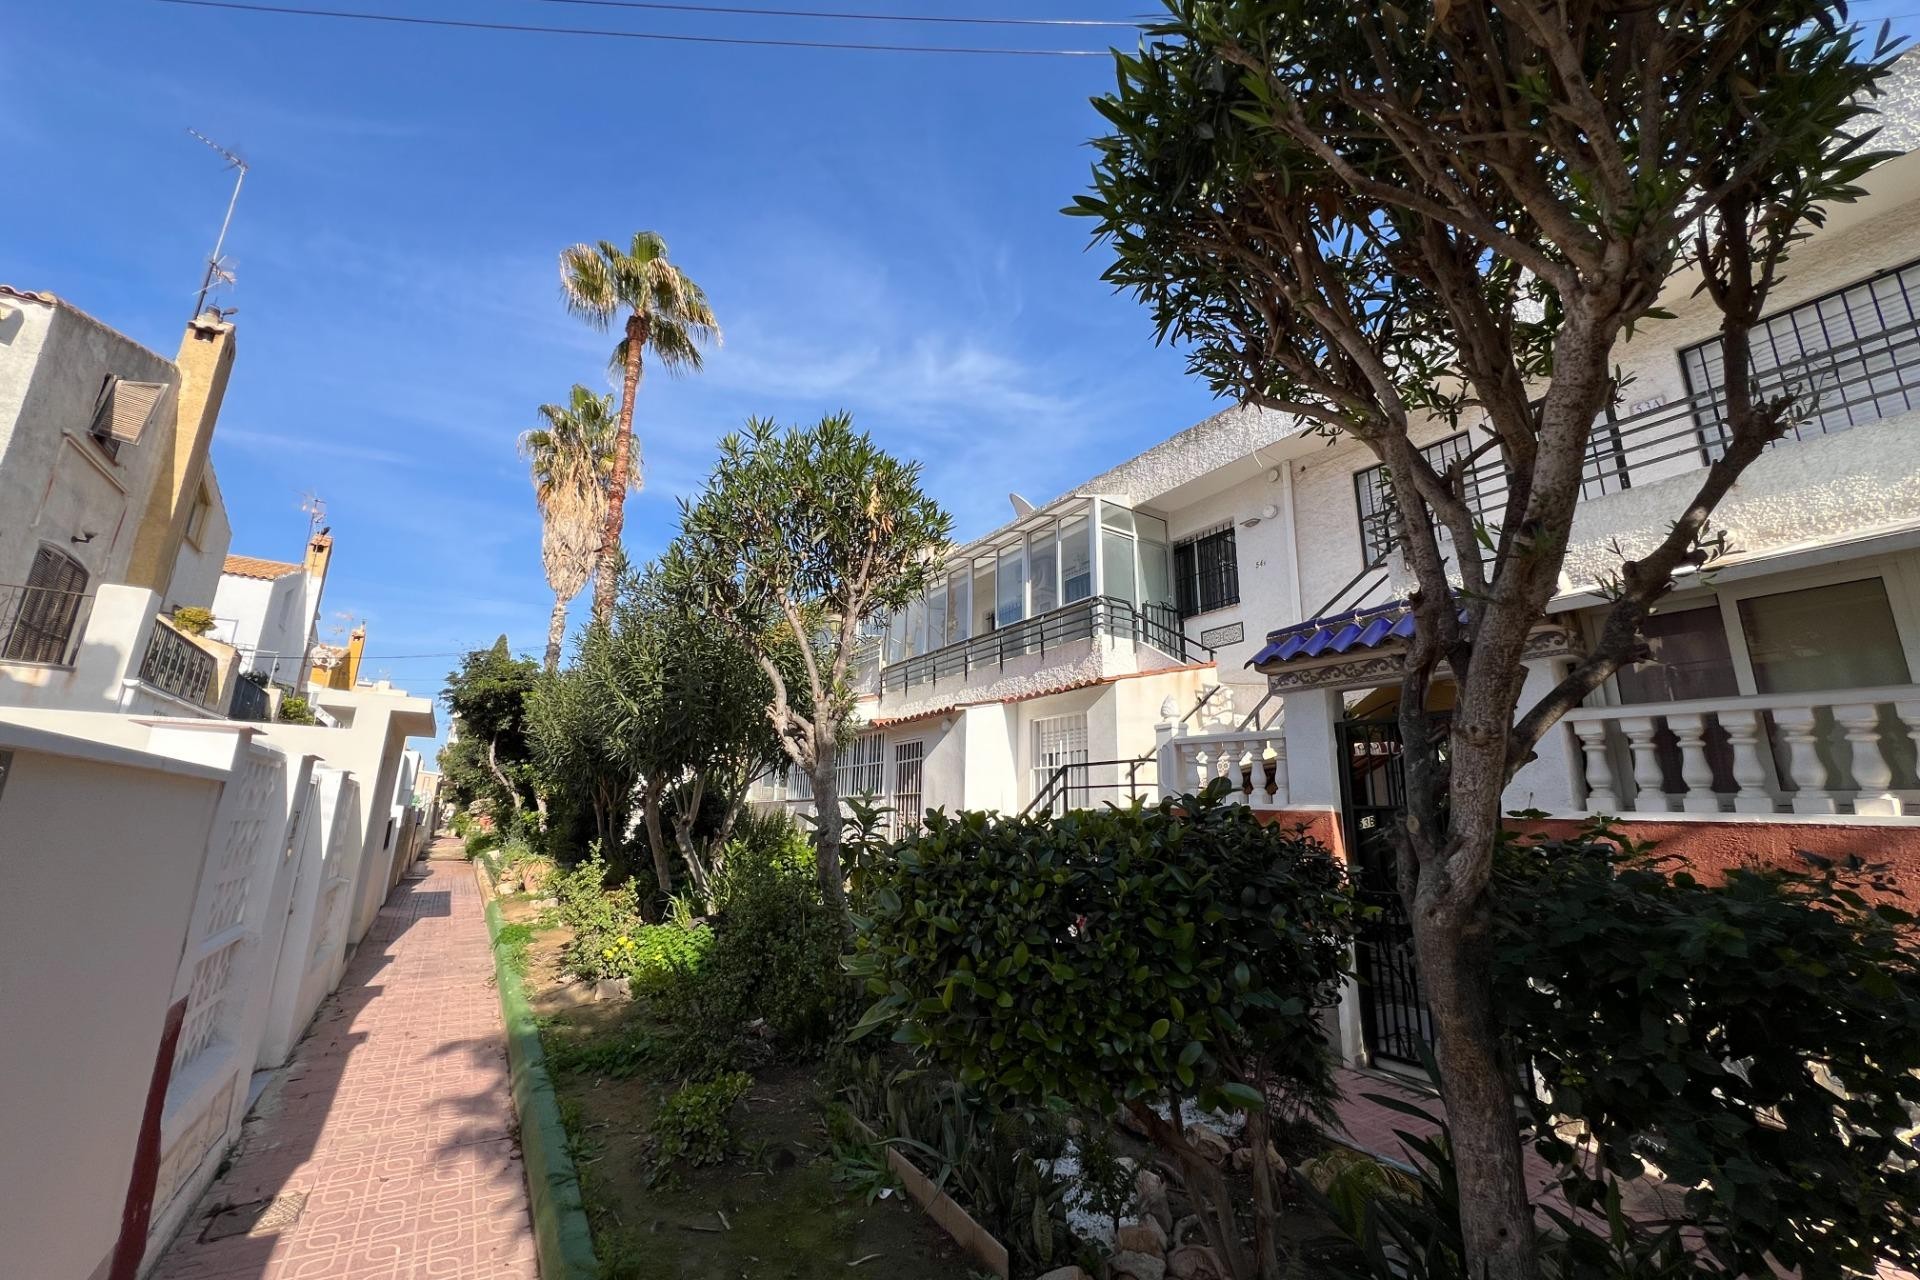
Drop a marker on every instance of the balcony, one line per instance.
(1845, 751)
(1850, 384)
(175, 665)
(1056, 631)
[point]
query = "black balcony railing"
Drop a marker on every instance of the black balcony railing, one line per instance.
(250, 701)
(1081, 784)
(1154, 624)
(176, 665)
(1846, 385)
(40, 624)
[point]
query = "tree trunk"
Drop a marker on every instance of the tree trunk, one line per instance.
(604, 563)
(656, 839)
(556, 631)
(826, 830)
(1452, 935)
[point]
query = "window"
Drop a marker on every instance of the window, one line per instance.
(1206, 572)
(202, 512)
(38, 619)
(1010, 577)
(1690, 658)
(1044, 563)
(1076, 560)
(121, 411)
(1837, 637)
(1060, 742)
(859, 768)
(907, 805)
(1374, 493)
(1843, 349)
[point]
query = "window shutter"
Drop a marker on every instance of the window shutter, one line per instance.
(126, 408)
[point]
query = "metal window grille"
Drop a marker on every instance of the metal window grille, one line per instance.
(1206, 571)
(860, 767)
(1060, 741)
(177, 665)
(908, 760)
(1869, 325)
(39, 619)
(1373, 493)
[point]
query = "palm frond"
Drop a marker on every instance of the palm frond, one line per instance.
(587, 284)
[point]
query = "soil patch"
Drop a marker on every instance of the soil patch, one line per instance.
(772, 1210)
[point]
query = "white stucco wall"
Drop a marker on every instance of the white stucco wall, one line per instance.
(56, 483)
(102, 847)
(196, 570)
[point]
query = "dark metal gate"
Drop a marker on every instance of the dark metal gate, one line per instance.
(1373, 795)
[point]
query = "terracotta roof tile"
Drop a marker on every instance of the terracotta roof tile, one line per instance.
(28, 294)
(255, 567)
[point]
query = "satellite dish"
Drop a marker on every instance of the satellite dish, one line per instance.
(1021, 507)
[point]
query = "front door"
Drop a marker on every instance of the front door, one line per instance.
(1393, 1012)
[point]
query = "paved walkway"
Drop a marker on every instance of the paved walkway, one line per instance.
(393, 1120)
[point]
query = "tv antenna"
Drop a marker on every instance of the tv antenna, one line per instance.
(315, 508)
(216, 265)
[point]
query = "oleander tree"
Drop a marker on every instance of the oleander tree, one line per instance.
(800, 538)
(1384, 217)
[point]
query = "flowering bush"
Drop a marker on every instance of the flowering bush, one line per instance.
(604, 920)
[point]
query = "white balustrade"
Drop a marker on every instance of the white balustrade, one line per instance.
(1847, 751)
(1253, 763)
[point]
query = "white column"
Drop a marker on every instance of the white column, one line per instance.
(1312, 749)
(1690, 731)
(1601, 796)
(1649, 794)
(1872, 776)
(1909, 713)
(1551, 780)
(1749, 770)
(1799, 741)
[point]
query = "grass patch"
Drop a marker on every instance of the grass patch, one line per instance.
(514, 941)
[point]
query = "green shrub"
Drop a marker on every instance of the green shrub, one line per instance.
(600, 918)
(295, 709)
(656, 956)
(1759, 1037)
(774, 958)
(694, 1124)
(193, 620)
(1115, 958)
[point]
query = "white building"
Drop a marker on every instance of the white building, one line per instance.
(1057, 668)
(270, 610)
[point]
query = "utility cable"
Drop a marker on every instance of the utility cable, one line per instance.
(530, 28)
(851, 17)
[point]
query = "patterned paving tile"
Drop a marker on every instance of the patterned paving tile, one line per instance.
(394, 1117)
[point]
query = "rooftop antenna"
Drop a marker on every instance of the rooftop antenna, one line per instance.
(216, 267)
(315, 508)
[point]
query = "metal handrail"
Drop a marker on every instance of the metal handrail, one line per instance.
(1057, 785)
(1857, 382)
(1157, 625)
(41, 624)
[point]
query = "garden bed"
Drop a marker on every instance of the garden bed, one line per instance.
(770, 1208)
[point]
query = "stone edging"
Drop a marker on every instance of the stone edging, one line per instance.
(975, 1239)
(560, 1230)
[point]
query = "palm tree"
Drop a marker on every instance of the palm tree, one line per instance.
(668, 315)
(572, 463)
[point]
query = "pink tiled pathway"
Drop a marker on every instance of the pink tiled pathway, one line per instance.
(394, 1118)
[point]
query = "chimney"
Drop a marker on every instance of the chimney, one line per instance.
(205, 362)
(319, 553)
(346, 671)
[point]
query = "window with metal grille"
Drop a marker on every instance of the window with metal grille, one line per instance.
(1206, 572)
(38, 619)
(860, 767)
(908, 759)
(1849, 353)
(1060, 743)
(1373, 492)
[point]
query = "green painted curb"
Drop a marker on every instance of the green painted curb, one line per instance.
(560, 1231)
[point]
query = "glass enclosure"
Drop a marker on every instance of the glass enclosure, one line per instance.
(1047, 563)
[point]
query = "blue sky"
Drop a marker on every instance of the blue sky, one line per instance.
(877, 232)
